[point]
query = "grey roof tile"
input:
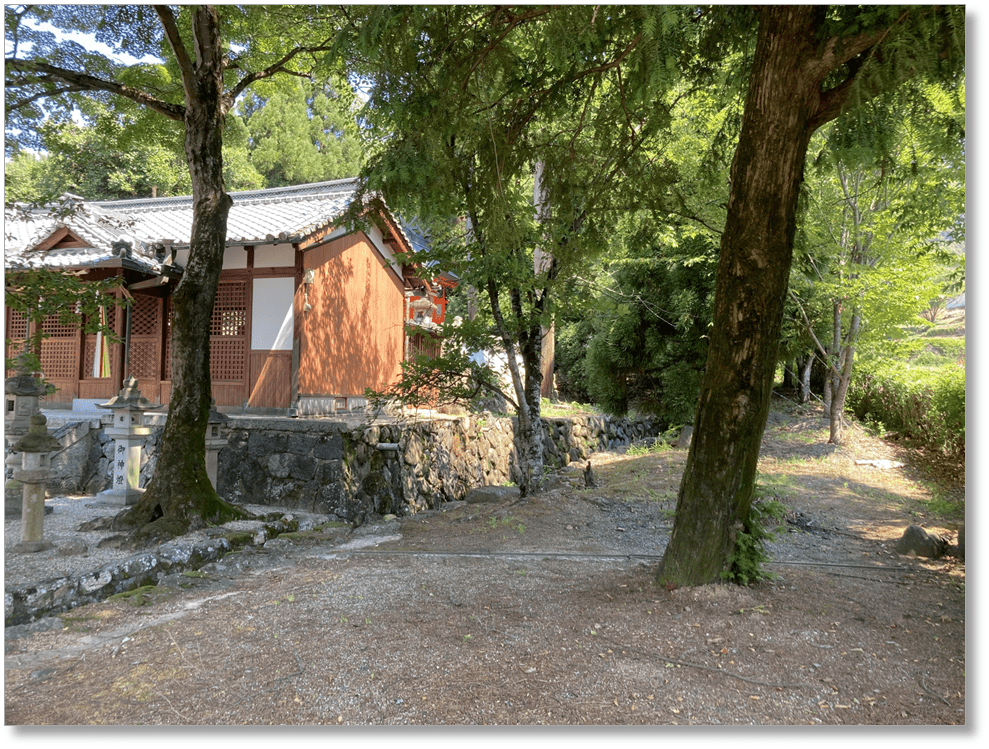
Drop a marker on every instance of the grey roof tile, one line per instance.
(285, 214)
(99, 228)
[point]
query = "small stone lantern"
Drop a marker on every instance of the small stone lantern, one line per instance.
(128, 431)
(215, 441)
(21, 395)
(35, 450)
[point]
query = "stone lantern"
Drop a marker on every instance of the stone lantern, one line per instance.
(21, 395)
(421, 307)
(128, 431)
(215, 441)
(35, 449)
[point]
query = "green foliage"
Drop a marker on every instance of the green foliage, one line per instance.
(925, 404)
(449, 376)
(657, 447)
(747, 560)
(935, 352)
(571, 358)
(303, 132)
(43, 293)
(125, 146)
(238, 171)
(98, 162)
(106, 160)
(517, 136)
(23, 179)
(883, 214)
(645, 346)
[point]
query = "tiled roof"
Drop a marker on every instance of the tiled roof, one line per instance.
(257, 216)
(283, 214)
(414, 233)
(105, 232)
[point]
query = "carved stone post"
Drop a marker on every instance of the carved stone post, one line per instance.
(128, 431)
(35, 449)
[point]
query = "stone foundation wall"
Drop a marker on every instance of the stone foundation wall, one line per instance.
(354, 473)
(358, 473)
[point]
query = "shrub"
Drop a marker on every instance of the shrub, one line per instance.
(923, 403)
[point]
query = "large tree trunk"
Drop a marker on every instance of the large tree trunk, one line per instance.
(753, 271)
(179, 496)
(529, 430)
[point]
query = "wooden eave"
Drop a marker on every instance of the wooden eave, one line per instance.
(389, 229)
(316, 237)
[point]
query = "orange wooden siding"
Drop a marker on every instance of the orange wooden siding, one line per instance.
(67, 356)
(353, 337)
(271, 378)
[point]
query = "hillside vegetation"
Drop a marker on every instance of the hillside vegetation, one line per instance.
(915, 392)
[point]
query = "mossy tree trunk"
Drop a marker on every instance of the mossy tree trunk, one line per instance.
(179, 496)
(783, 108)
(809, 63)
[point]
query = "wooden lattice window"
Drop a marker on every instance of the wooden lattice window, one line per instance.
(230, 310)
(60, 350)
(228, 332)
(89, 351)
(16, 332)
(55, 328)
(16, 325)
(226, 359)
(145, 314)
(145, 326)
(143, 359)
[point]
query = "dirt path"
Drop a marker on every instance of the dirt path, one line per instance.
(540, 611)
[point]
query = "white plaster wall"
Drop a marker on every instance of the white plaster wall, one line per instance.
(272, 318)
(274, 256)
(234, 258)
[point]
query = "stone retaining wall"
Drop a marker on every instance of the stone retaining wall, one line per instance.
(354, 472)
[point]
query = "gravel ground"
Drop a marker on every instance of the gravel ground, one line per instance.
(542, 611)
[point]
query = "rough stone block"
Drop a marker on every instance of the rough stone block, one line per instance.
(916, 540)
(328, 447)
(483, 494)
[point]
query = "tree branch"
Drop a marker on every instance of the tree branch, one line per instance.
(833, 101)
(838, 51)
(84, 82)
(167, 20)
(512, 22)
(45, 94)
(810, 329)
(279, 67)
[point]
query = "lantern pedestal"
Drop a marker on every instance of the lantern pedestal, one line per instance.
(21, 395)
(35, 450)
(128, 431)
(215, 441)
